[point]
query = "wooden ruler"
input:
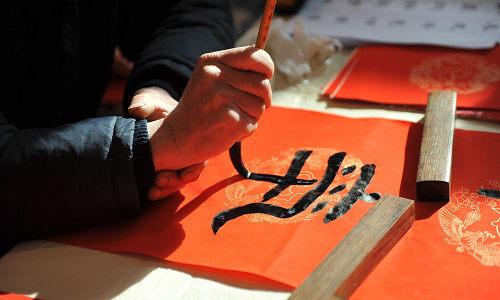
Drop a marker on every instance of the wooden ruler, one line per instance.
(357, 254)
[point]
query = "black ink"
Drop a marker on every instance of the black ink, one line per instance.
(410, 4)
(235, 155)
(489, 193)
(355, 3)
(319, 206)
(439, 5)
(313, 16)
(397, 22)
(468, 7)
(382, 3)
(293, 171)
(334, 163)
(490, 26)
(337, 189)
(348, 170)
(371, 21)
(342, 19)
(459, 26)
(356, 192)
(429, 25)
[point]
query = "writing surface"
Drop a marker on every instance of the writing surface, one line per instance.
(430, 255)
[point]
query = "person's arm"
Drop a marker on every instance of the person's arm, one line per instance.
(70, 177)
(91, 172)
(166, 38)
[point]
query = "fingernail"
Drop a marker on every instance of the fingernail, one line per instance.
(156, 195)
(136, 105)
(189, 175)
(163, 181)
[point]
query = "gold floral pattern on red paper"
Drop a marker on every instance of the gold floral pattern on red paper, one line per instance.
(463, 73)
(471, 222)
(240, 193)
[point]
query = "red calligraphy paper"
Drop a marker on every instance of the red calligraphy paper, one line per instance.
(451, 251)
(406, 75)
(12, 296)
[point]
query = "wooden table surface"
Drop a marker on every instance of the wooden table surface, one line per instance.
(54, 271)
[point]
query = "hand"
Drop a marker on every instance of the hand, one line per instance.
(151, 103)
(223, 101)
(168, 182)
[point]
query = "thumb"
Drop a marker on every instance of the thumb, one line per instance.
(140, 110)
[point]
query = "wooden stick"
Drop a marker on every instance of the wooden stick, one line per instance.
(436, 151)
(265, 24)
(357, 254)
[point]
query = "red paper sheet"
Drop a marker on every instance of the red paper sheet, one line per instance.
(11, 296)
(406, 75)
(451, 252)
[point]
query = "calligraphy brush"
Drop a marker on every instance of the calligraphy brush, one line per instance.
(265, 24)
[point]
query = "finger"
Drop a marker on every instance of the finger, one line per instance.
(248, 82)
(243, 58)
(151, 103)
(140, 108)
(167, 179)
(192, 173)
(157, 193)
(242, 102)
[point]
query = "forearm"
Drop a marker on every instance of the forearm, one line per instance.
(67, 178)
(186, 30)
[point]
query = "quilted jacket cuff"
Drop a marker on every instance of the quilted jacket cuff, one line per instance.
(144, 168)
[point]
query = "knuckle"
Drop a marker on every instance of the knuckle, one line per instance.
(212, 71)
(205, 58)
(263, 58)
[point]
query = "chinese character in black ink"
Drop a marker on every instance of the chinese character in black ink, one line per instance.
(355, 2)
(490, 26)
(397, 22)
(439, 5)
(314, 16)
(382, 3)
(489, 193)
(410, 4)
(342, 19)
(371, 21)
(459, 26)
(334, 163)
(429, 24)
(468, 7)
(356, 192)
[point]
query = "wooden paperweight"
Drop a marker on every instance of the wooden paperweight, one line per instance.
(357, 254)
(436, 150)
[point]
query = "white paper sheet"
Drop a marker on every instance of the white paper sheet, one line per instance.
(473, 24)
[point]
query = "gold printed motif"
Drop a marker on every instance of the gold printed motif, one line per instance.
(240, 193)
(464, 213)
(463, 73)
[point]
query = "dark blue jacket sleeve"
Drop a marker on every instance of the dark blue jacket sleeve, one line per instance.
(66, 178)
(166, 43)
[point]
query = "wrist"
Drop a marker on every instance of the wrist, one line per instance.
(166, 155)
